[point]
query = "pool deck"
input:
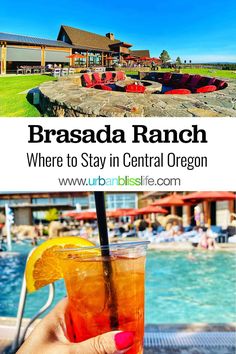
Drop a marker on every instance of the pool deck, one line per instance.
(7, 333)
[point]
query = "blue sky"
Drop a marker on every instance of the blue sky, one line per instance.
(202, 30)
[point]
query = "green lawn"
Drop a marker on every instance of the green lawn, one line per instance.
(227, 74)
(14, 103)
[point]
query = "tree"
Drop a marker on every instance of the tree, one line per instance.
(52, 214)
(178, 61)
(164, 56)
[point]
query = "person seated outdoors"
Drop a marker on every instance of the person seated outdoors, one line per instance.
(206, 240)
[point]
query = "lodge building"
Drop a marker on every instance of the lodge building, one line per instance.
(17, 50)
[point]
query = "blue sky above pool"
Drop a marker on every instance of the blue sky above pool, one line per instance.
(201, 31)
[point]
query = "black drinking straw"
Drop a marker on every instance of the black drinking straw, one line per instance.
(107, 266)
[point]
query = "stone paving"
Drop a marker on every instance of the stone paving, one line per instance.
(66, 98)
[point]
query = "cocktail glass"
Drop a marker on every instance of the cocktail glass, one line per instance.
(99, 302)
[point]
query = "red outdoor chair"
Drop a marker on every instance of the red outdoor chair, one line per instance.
(135, 88)
(109, 77)
(211, 81)
(220, 84)
(86, 80)
(120, 75)
(184, 78)
(192, 83)
(204, 89)
(166, 79)
(97, 79)
(179, 91)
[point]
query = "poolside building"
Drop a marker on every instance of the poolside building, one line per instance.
(18, 50)
(30, 207)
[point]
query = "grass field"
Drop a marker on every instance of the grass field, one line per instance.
(14, 103)
(227, 74)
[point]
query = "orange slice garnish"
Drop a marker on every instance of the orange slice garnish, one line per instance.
(43, 265)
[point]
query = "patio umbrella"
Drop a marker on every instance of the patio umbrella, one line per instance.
(144, 58)
(150, 209)
(86, 215)
(70, 214)
(119, 212)
(209, 196)
(155, 59)
(130, 57)
(76, 56)
(198, 197)
(170, 200)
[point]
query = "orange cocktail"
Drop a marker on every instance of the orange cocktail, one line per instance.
(93, 304)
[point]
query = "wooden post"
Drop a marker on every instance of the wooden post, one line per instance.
(86, 59)
(72, 60)
(102, 59)
(4, 59)
(42, 56)
(173, 210)
(231, 209)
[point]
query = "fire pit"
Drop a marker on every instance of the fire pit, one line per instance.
(153, 94)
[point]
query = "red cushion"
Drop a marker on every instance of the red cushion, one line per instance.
(178, 92)
(203, 89)
(135, 88)
(103, 87)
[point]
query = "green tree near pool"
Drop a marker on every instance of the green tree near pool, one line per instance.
(178, 61)
(164, 56)
(52, 215)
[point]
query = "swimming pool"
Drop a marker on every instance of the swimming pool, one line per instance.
(178, 289)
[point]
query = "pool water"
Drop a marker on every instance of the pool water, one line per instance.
(179, 288)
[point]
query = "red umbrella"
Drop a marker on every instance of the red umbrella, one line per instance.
(70, 214)
(76, 56)
(209, 196)
(170, 200)
(144, 58)
(119, 212)
(151, 209)
(198, 197)
(86, 215)
(130, 57)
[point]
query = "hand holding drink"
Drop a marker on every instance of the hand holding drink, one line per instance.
(89, 296)
(105, 284)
